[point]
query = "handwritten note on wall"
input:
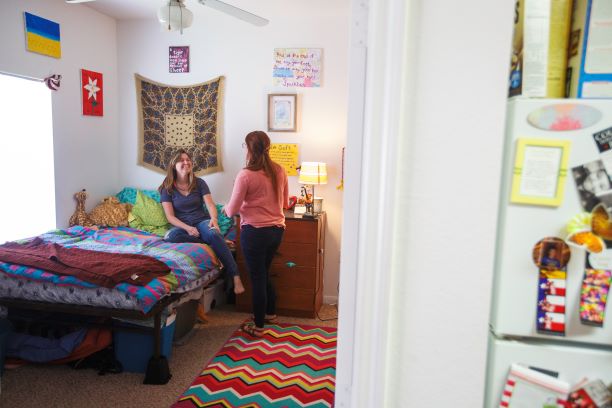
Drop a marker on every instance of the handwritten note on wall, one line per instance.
(297, 67)
(285, 154)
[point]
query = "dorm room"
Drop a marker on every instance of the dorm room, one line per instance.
(424, 85)
(99, 144)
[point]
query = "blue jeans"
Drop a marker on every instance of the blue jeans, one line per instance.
(258, 247)
(210, 236)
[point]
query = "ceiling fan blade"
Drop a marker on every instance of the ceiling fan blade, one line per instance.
(236, 12)
(78, 1)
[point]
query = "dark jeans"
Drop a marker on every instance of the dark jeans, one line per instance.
(210, 236)
(258, 247)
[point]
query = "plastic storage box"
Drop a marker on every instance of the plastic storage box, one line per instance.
(214, 295)
(185, 318)
(134, 349)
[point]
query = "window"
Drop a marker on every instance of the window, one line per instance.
(27, 186)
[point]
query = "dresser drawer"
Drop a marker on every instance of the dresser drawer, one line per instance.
(296, 277)
(295, 299)
(283, 276)
(299, 254)
(300, 231)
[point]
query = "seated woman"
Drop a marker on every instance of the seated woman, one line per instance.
(183, 197)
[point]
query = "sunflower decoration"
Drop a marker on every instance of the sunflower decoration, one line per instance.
(601, 224)
(588, 230)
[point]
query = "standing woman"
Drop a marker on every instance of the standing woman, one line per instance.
(183, 196)
(259, 196)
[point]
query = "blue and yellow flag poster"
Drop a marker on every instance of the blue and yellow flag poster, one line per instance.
(42, 35)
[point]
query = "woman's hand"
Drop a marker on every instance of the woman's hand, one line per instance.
(193, 231)
(214, 223)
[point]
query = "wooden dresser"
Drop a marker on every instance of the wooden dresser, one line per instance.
(296, 270)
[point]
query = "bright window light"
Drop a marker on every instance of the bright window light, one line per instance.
(26, 159)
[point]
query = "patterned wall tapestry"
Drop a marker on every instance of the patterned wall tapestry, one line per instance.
(180, 117)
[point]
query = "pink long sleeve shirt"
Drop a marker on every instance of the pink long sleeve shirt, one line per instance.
(254, 199)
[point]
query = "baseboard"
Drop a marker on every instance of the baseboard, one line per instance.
(330, 300)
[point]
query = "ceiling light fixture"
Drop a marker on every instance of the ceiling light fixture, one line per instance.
(174, 16)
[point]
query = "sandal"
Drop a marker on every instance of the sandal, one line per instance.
(269, 319)
(252, 330)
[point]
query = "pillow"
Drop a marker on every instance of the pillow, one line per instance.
(110, 213)
(225, 222)
(128, 195)
(148, 215)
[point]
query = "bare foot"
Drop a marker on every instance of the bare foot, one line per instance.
(238, 287)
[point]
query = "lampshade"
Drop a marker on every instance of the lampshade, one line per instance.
(313, 173)
(173, 15)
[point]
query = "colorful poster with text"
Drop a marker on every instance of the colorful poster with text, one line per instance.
(297, 67)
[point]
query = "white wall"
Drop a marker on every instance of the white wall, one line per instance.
(85, 147)
(451, 205)
(420, 332)
(222, 45)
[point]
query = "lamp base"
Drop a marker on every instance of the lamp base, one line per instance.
(309, 215)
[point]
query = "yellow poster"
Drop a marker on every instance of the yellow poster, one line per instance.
(285, 154)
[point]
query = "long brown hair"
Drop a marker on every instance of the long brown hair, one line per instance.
(258, 145)
(170, 179)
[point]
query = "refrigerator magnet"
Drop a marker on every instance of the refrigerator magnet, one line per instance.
(601, 224)
(551, 255)
(539, 172)
(586, 240)
(564, 116)
(594, 296)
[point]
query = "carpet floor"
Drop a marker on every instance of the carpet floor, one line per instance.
(64, 387)
(290, 366)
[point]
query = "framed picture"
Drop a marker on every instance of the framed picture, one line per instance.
(282, 112)
(179, 59)
(540, 170)
(92, 93)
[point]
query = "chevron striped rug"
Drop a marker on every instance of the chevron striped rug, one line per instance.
(291, 366)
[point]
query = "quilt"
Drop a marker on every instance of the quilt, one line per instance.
(187, 261)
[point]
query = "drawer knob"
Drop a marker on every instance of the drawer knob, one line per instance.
(290, 264)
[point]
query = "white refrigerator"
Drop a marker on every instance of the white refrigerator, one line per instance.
(583, 350)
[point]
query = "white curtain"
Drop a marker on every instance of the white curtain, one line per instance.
(27, 206)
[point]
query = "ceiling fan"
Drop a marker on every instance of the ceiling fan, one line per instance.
(216, 4)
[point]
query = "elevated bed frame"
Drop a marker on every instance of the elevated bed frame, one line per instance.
(158, 371)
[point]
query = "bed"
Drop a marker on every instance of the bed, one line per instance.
(193, 266)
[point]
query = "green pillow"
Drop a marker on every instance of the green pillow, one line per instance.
(148, 215)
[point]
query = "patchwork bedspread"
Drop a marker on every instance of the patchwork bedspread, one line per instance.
(191, 266)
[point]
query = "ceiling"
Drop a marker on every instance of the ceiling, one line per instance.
(147, 9)
(129, 9)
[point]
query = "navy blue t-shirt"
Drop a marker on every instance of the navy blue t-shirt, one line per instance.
(188, 208)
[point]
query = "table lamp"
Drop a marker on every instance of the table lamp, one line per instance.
(312, 173)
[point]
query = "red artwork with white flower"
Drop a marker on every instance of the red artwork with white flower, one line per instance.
(92, 92)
